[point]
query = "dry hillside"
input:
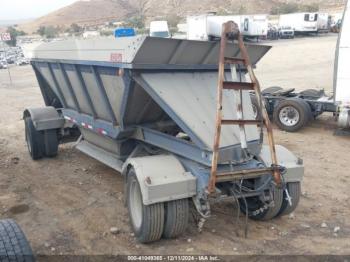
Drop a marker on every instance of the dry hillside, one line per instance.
(90, 12)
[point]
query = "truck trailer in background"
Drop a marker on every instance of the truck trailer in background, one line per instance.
(255, 25)
(208, 26)
(159, 29)
(291, 110)
(323, 23)
(302, 23)
(341, 72)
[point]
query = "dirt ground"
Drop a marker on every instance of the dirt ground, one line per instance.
(67, 205)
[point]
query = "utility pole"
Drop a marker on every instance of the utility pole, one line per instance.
(6, 37)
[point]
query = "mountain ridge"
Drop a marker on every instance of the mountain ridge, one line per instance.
(93, 12)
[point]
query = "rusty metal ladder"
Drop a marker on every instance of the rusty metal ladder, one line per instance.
(231, 29)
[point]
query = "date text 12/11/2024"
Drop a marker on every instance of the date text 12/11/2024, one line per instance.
(173, 258)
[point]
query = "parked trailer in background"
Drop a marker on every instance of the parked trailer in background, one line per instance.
(293, 110)
(146, 107)
(255, 26)
(302, 23)
(341, 71)
(323, 23)
(208, 26)
(159, 29)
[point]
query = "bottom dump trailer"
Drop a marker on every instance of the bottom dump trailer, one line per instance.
(146, 107)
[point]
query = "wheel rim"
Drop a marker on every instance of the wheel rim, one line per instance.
(135, 204)
(289, 116)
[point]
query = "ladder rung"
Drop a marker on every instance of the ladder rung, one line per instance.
(234, 60)
(241, 122)
(238, 85)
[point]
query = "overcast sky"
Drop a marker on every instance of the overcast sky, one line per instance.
(23, 9)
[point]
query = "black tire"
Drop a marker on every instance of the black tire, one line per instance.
(176, 218)
(265, 212)
(294, 190)
(40, 143)
(14, 245)
(271, 90)
(297, 105)
(147, 222)
(34, 139)
(51, 142)
(255, 104)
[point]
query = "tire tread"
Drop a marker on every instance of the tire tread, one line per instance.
(13, 243)
(176, 219)
(294, 189)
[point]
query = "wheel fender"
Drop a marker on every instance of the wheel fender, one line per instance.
(162, 178)
(44, 118)
(285, 158)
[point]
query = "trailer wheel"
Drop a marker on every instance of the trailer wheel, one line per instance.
(294, 190)
(255, 105)
(51, 142)
(147, 222)
(258, 210)
(14, 245)
(176, 218)
(292, 114)
(34, 140)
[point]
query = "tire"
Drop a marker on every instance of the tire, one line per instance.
(40, 143)
(34, 140)
(147, 222)
(176, 218)
(294, 190)
(296, 113)
(14, 245)
(255, 105)
(266, 213)
(51, 142)
(271, 90)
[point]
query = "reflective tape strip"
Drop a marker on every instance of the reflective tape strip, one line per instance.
(102, 131)
(87, 126)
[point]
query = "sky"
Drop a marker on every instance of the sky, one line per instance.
(25, 9)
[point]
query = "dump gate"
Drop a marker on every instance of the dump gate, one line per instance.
(191, 98)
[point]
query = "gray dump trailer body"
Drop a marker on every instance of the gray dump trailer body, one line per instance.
(143, 83)
(156, 96)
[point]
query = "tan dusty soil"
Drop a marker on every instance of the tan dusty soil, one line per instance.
(71, 202)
